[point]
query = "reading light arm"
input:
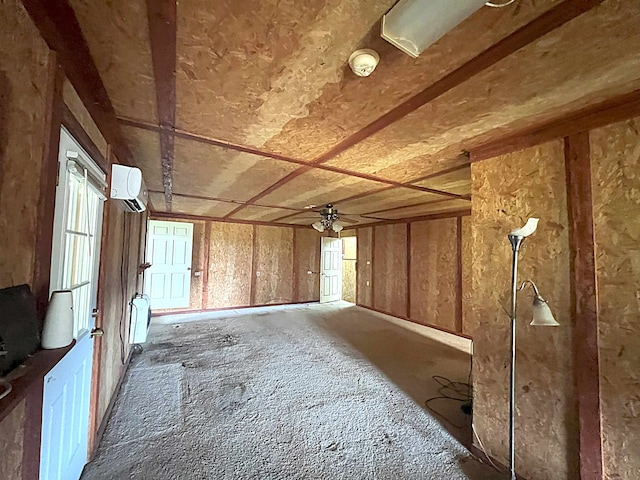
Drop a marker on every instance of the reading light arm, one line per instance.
(533, 285)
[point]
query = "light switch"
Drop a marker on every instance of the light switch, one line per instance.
(368, 283)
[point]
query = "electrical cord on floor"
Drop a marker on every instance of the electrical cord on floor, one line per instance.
(450, 390)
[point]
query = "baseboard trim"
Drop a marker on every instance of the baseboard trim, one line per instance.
(112, 401)
(162, 313)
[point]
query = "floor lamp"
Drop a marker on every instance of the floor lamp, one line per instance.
(542, 316)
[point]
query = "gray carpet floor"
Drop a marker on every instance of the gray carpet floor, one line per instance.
(300, 392)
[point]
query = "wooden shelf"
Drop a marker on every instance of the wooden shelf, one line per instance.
(28, 374)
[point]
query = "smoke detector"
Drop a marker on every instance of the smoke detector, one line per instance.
(363, 62)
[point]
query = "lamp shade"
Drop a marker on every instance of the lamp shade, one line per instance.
(542, 316)
(58, 323)
(318, 226)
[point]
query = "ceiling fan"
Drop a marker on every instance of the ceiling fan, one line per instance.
(331, 219)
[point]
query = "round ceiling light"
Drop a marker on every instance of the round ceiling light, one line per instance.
(363, 62)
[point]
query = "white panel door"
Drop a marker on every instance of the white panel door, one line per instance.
(74, 266)
(168, 280)
(331, 270)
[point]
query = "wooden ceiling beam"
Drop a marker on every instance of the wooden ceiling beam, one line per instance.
(434, 216)
(254, 151)
(610, 111)
(59, 27)
(534, 30)
(226, 200)
(205, 218)
(537, 28)
(162, 15)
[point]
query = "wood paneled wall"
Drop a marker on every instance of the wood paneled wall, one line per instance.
(32, 92)
(249, 265)
(507, 190)
(414, 271)
(615, 168)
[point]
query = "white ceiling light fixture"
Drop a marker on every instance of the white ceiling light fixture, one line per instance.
(414, 25)
(363, 62)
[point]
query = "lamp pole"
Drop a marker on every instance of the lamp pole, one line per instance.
(516, 241)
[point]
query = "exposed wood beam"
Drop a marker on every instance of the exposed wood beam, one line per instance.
(305, 165)
(234, 202)
(537, 28)
(609, 111)
(434, 216)
(391, 209)
(162, 15)
(48, 175)
(458, 319)
(59, 27)
(584, 303)
(206, 218)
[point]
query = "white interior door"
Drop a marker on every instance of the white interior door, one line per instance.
(331, 270)
(168, 280)
(74, 266)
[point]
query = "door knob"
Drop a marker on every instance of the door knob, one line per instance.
(94, 313)
(96, 332)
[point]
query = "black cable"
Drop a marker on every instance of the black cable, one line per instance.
(451, 390)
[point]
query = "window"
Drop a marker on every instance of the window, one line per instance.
(77, 227)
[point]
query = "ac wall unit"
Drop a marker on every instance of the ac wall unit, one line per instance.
(128, 188)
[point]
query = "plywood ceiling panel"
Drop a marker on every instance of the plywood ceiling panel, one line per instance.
(156, 202)
(207, 170)
(550, 76)
(458, 182)
(261, 214)
(117, 33)
(318, 187)
(425, 209)
(195, 206)
(391, 198)
(145, 148)
(262, 63)
(347, 106)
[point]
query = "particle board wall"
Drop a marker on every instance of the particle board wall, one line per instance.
(273, 265)
(469, 324)
(364, 275)
(230, 253)
(306, 258)
(615, 157)
(349, 252)
(433, 272)
(390, 269)
(506, 190)
(11, 442)
(24, 59)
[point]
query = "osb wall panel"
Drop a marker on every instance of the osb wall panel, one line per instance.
(307, 258)
(230, 254)
(434, 272)
(11, 442)
(145, 149)
(507, 190)
(72, 100)
(349, 255)
(118, 36)
(557, 77)
(345, 106)
(390, 269)
(364, 276)
(273, 271)
(615, 156)
(23, 83)
(264, 63)
(468, 319)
